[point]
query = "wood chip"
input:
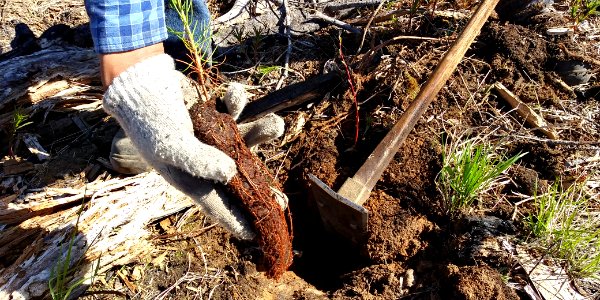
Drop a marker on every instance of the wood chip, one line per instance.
(159, 261)
(34, 146)
(530, 116)
(166, 225)
(46, 89)
(4, 201)
(132, 288)
(16, 166)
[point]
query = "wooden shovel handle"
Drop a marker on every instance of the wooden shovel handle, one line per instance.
(379, 159)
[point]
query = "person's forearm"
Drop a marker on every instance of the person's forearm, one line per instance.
(113, 64)
(125, 32)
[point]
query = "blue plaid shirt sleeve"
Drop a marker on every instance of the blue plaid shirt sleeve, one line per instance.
(123, 25)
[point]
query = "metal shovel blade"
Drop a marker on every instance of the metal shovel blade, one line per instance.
(339, 215)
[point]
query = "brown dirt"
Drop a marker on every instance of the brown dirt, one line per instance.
(395, 234)
(38, 16)
(522, 45)
(475, 282)
(384, 281)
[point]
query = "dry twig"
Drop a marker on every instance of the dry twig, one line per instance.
(333, 21)
(286, 26)
(366, 30)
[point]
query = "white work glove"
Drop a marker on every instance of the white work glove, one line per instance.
(148, 102)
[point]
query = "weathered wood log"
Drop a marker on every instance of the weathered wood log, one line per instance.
(112, 231)
(49, 70)
(17, 213)
(252, 186)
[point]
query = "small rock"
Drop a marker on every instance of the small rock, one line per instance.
(574, 72)
(137, 273)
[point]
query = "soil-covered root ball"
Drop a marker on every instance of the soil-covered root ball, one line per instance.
(252, 185)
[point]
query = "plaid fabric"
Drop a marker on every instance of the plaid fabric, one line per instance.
(123, 25)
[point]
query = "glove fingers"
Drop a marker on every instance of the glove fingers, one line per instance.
(262, 130)
(235, 99)
(213, 201)
(124, 157)
(198, 159)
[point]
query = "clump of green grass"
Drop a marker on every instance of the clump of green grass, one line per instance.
(19, 121)
(469, 168)
(265, 71)
(580, 10)
(61, 283)
(564, 223)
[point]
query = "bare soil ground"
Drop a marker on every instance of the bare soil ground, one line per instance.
(414, 249)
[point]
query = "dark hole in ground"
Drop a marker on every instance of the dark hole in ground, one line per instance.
(323, 256)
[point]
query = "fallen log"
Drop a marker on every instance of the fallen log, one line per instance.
(111, 231)
(48, 71)
(289, 96)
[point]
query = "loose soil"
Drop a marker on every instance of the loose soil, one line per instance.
(414, 249)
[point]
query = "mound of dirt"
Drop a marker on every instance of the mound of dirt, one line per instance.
(395, 234)
(474, 282)
(384, 281)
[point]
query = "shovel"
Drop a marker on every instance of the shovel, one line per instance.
(342, 212)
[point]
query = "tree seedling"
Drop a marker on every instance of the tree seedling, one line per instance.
(19, 121)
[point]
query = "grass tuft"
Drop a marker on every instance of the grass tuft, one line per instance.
(265, 71)
(581, 10)
(565, 224)
(19, 120)
(469, 168)
(61, 284)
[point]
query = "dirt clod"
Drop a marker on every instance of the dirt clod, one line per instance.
(475, 282)
(395, 234)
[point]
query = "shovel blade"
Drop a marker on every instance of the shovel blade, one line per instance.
(339, 215)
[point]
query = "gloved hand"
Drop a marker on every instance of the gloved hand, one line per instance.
(148, 102)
